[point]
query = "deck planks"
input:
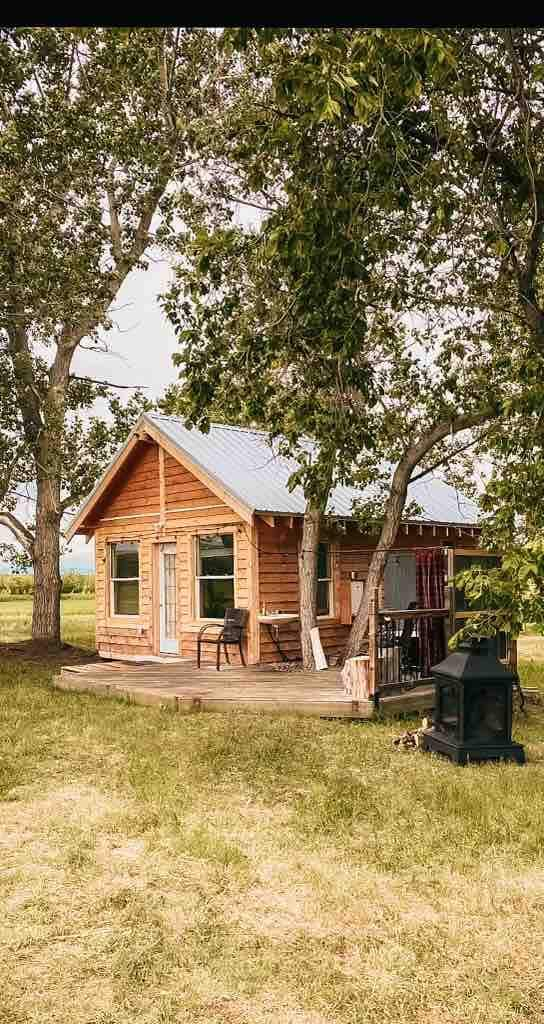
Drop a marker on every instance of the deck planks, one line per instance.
(185, 688)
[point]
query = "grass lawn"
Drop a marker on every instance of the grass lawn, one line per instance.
(238, 869)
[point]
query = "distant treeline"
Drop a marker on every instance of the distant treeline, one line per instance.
(19, 585)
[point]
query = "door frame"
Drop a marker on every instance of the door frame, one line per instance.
(161, 642)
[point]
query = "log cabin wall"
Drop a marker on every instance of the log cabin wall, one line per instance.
(278, 584)
(153, 500)
(351, 552)
(135, 489)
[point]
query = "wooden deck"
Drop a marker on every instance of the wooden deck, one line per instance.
(184, 688)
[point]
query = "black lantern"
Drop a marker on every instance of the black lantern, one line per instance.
(473, 707)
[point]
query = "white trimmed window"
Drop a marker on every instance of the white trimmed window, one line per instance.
(125, 578)
(324, 580)
(214, 575)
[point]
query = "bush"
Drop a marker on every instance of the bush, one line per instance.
(12, 585)
(16, 585)
(78, 583)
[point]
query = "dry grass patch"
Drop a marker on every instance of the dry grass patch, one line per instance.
(165, 868)
(531, 647)
(239, 869)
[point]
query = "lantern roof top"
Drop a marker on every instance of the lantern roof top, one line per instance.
(473, 661)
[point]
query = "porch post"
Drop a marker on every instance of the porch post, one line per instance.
(513, 652)
(372, 641)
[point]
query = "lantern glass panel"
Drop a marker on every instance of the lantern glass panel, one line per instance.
(449, 714)
(485, 716)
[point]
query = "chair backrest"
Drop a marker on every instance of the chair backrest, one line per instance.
(408, 626)
(235, 619)
(386, 631)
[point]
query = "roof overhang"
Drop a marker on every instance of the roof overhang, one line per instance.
(353, 519)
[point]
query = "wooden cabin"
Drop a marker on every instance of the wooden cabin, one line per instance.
(187, 524)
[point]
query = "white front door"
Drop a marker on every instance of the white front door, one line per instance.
(168, 617)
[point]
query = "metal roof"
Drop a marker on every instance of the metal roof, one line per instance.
(246, 465)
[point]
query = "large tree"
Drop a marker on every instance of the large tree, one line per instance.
(272, 327)
(98, 133)
(400, 174)
(492, 155)
(486, 127)
(328, 319)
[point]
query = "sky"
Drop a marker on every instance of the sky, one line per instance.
(140, 353)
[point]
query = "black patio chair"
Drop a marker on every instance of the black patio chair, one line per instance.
(387, 636)
(409, 648)
(230, 634)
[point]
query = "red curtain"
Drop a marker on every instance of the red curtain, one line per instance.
(430, 573)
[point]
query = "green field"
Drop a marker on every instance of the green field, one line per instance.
(77, 619)
(244, 869)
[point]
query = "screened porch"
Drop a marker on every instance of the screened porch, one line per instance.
(417, 610)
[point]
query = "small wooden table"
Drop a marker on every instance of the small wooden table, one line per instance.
(272, 621)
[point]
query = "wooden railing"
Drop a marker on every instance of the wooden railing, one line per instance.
(404, 644)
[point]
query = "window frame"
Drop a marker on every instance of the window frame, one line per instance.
(197, 577)
(327, 579)
(460, 617)
(112, 544)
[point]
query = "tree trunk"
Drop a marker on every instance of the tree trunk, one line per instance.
(48, 459)
(47, 579)
(393, 515)
(390, 528)
(307, 576)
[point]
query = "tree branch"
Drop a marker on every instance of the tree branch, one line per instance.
(29, 400)
(19, 531)
(247, 202)
(72, 335)
(115, 227)
(526, 275)
(6, 479)
(109, 384)
(69, 79)
(447, 458)
(396, 501)
(417, 451)
(166, 84)
(69, 502)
